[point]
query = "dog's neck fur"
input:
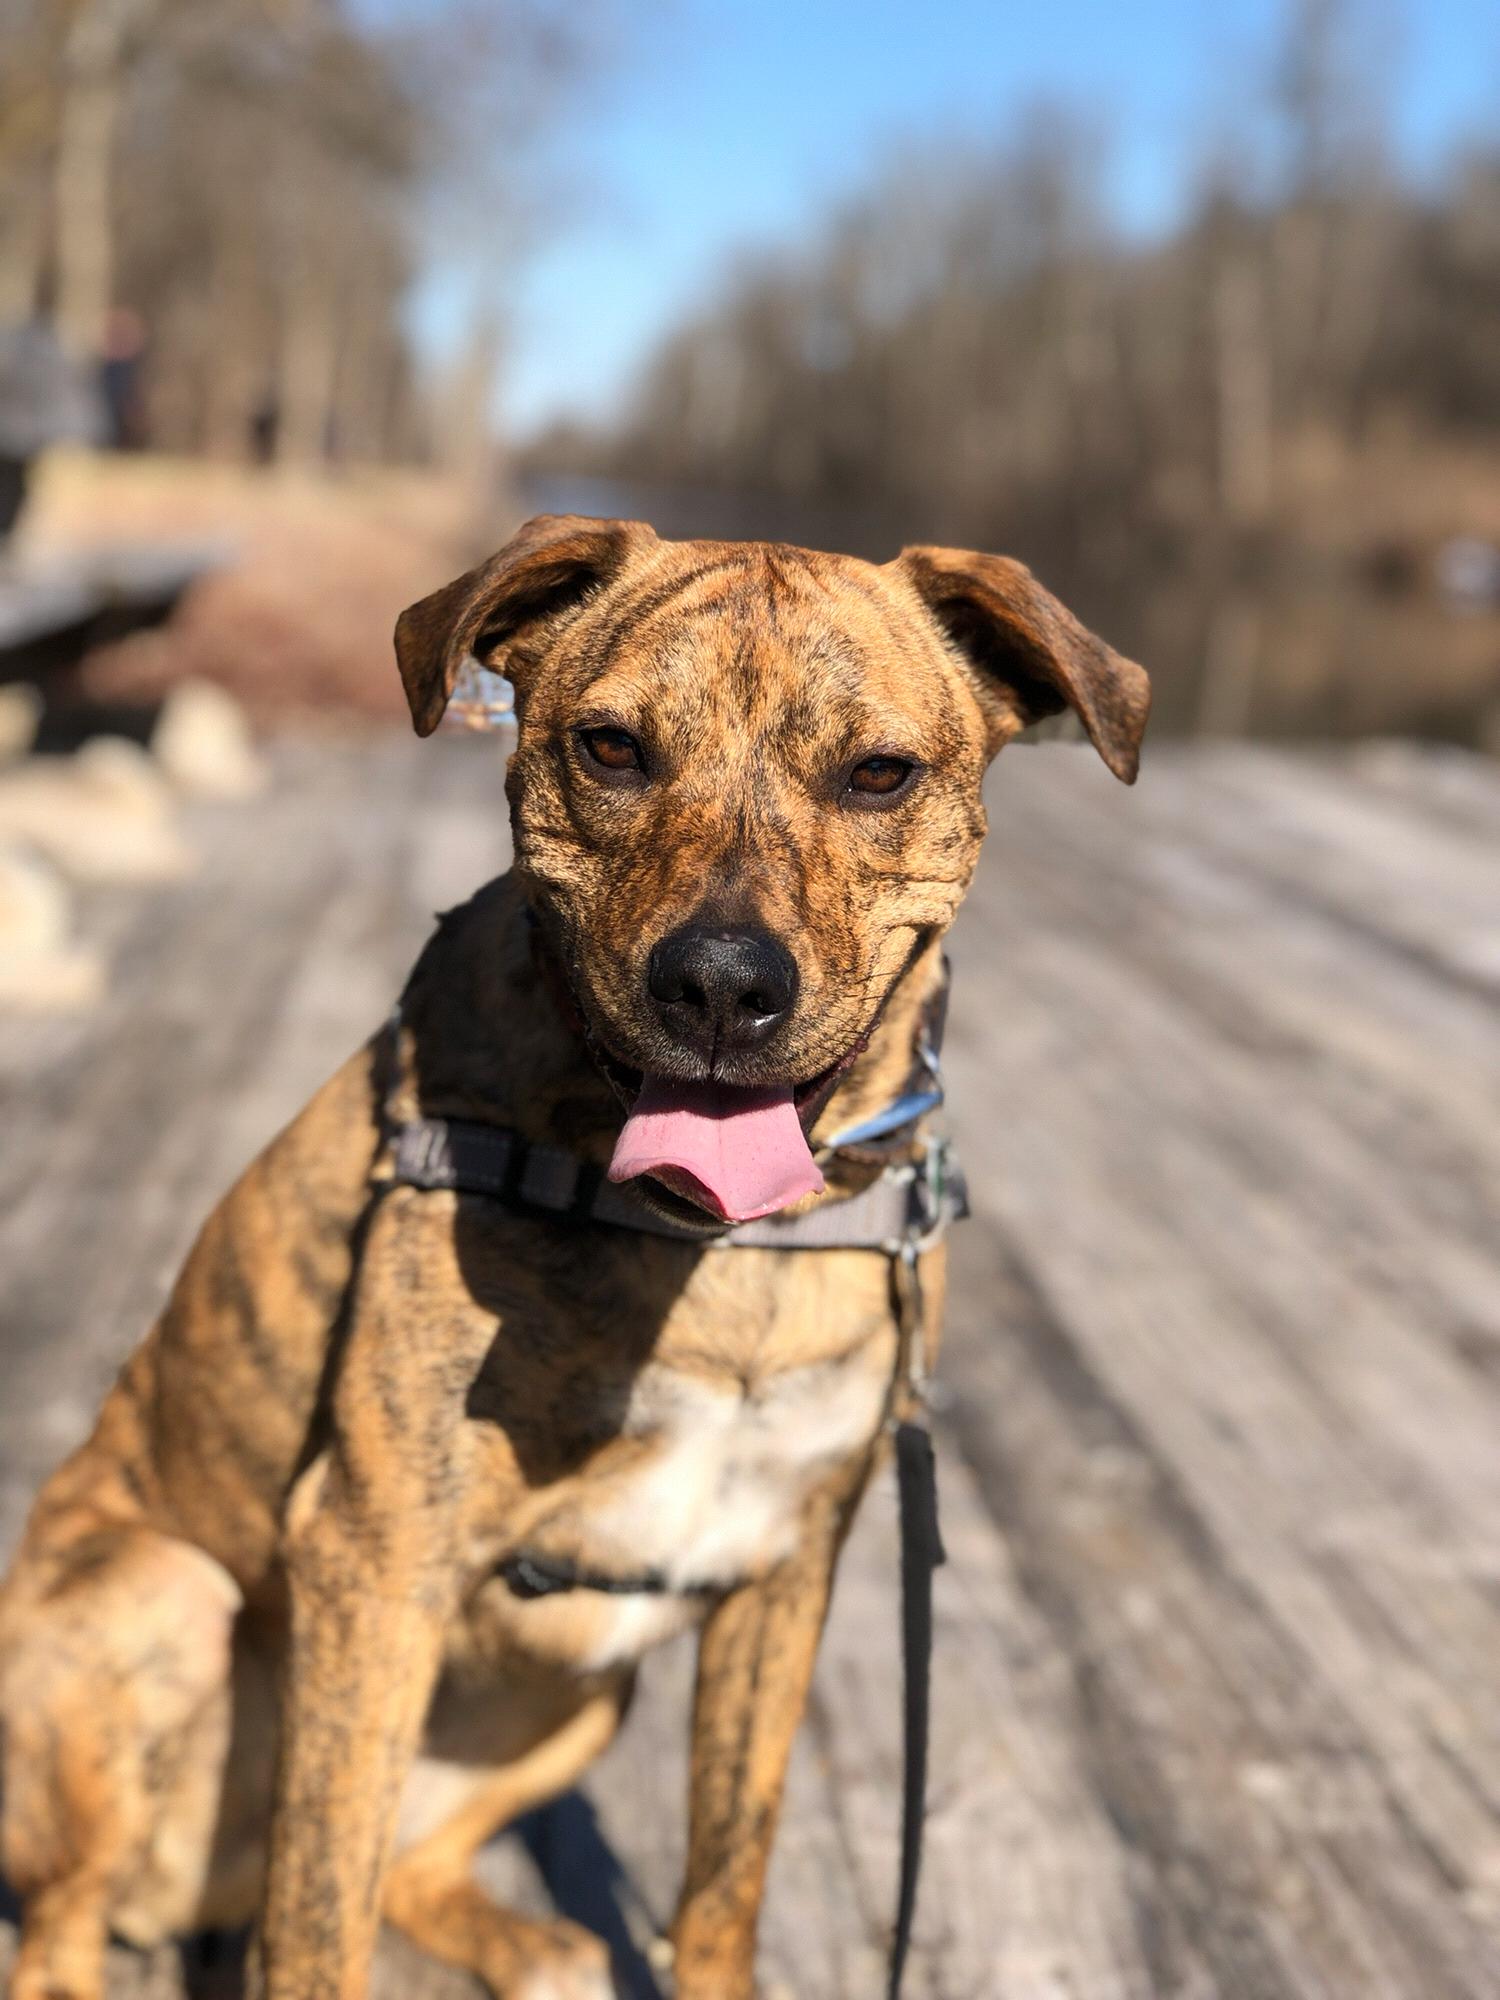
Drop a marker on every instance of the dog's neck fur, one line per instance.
(483, 1036)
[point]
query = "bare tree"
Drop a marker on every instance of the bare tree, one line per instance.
(250, 176)
(970, 349)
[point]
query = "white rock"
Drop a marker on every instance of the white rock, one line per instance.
(203, 743)
(104, 815)
(20, 713)
(121, 775)
(41, 971)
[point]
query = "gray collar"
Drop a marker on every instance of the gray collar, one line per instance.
(907, 1207)
(904, 1210)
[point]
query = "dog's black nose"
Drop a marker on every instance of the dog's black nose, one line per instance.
(722, 987)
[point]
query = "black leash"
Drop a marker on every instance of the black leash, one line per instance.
(921, 1552)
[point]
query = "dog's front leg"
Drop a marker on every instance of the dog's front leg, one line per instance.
(373, 1579)
(755, 1664)
(366, 1640)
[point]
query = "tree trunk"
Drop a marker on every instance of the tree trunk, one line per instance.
(309, 368)
(22, 246)
(1243, 356)
(93, 66)
(466, 444)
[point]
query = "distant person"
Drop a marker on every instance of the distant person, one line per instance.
(120, 368)
(12, 493)
(45, 399)
(265, 424)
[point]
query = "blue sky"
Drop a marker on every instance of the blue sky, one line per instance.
(725, 125)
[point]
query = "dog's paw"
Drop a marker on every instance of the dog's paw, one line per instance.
(564, 1983)
(576, 1967)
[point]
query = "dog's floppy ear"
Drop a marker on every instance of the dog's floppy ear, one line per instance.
(547, 565)
(1030, 655)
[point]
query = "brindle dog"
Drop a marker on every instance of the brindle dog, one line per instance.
(256, 1651)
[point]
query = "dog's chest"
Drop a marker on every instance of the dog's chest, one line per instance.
(723, 1474)
(706, 1488)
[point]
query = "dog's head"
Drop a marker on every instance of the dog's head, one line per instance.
(746, 788)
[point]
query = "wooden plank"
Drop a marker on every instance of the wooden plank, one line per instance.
(1026, 1885)
(1379, 1066)
(1269, 1857)
(1442, 783)
(1203, 1279)
(1423, 884)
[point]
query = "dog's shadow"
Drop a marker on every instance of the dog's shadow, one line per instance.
(585, 1879)
(588, 1882)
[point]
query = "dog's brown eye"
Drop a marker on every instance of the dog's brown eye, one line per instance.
(880, 777)
(613, 749)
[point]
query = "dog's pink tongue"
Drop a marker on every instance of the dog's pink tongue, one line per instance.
(740, 1153)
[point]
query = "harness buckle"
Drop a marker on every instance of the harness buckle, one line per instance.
(937, 1193)
(913, 1321)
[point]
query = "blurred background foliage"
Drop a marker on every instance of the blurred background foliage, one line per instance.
(1256, 448)
(247, 181)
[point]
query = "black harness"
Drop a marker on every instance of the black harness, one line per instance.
(905, 1210)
